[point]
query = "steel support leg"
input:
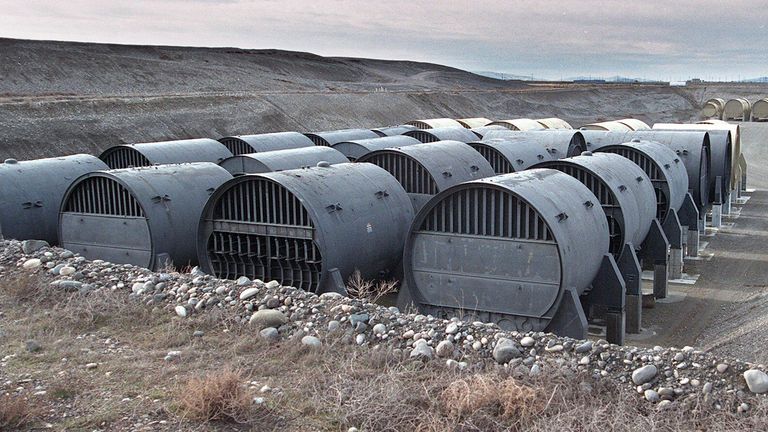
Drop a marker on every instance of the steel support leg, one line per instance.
(717, 215)
(727, 205)
(693, 242)
(629, 266)
(689, 218)
(675, 263)
(609, 292)
(674, 232)
(569, 320)
(660, 281)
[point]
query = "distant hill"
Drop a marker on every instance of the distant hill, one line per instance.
(614, 79)
(757, 80)
(506, 76)
(68, 68)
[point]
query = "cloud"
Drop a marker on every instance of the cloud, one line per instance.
(655, 38)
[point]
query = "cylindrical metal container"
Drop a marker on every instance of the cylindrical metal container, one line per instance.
(504, 249)
(426, 169)
(393, 130)
(713, 109)
(508, 155)
(165, 152)
(559, 143)
(634, 124)
(691, 146)
(710, 126)
(481, 131)
(281, 160)
(443, 134)
(145, 216)
(521, 124)
(721, 154)
(329, 138)
(612, 126)
(308, 228)
(760, 110)
(434, 123)
(245, 144)
(738, 109)
(554, 123)
(623, 189)
(32, 191)
(475, 122)
(354, 150)
(663, 166)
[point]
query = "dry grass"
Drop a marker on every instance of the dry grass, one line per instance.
(370, 291)
(506, 398)
(15, 412)
(218, 396)
(335, 387)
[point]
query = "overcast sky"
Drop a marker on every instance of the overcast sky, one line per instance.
(664, 39)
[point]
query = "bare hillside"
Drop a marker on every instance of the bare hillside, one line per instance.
(62, 97)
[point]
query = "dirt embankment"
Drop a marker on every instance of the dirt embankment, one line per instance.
(59, 98)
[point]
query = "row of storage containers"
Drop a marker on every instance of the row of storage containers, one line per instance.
(515, 227)
(738, 109)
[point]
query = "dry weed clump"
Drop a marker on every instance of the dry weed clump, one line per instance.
(23, 288)
(218, 396)
(15, 412)
(369, 291)
(506, 398)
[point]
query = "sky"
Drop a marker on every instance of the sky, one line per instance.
(656, 39)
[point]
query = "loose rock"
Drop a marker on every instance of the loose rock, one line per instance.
(267, 318)
(757, 381)
(180, 311)
(32, 263)
(444, 349)
(644, 374)
(505, 351)
(311, 341)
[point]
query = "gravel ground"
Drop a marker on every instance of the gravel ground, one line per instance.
(662, 375)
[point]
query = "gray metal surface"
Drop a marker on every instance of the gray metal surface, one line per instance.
(393, 130)
(692, 147)
(481, 131)
(297, 226)
(560, 143)
(709, 125)
(622, 188)
(662, 165)
(443, 134)
(521, 124)
(760, 110)
(554, 123)
(713, 109)
(165, 152)
(507, 155)
(329, 138)
(505, 249)
(634, 124)
(738, 109)
(434, 123)
(426, 169)
(32, 191)
(281, 160)
(354, 150)
(474, 122)
(245, 144)
(140, 216)
(721, 152)
(605, 126)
